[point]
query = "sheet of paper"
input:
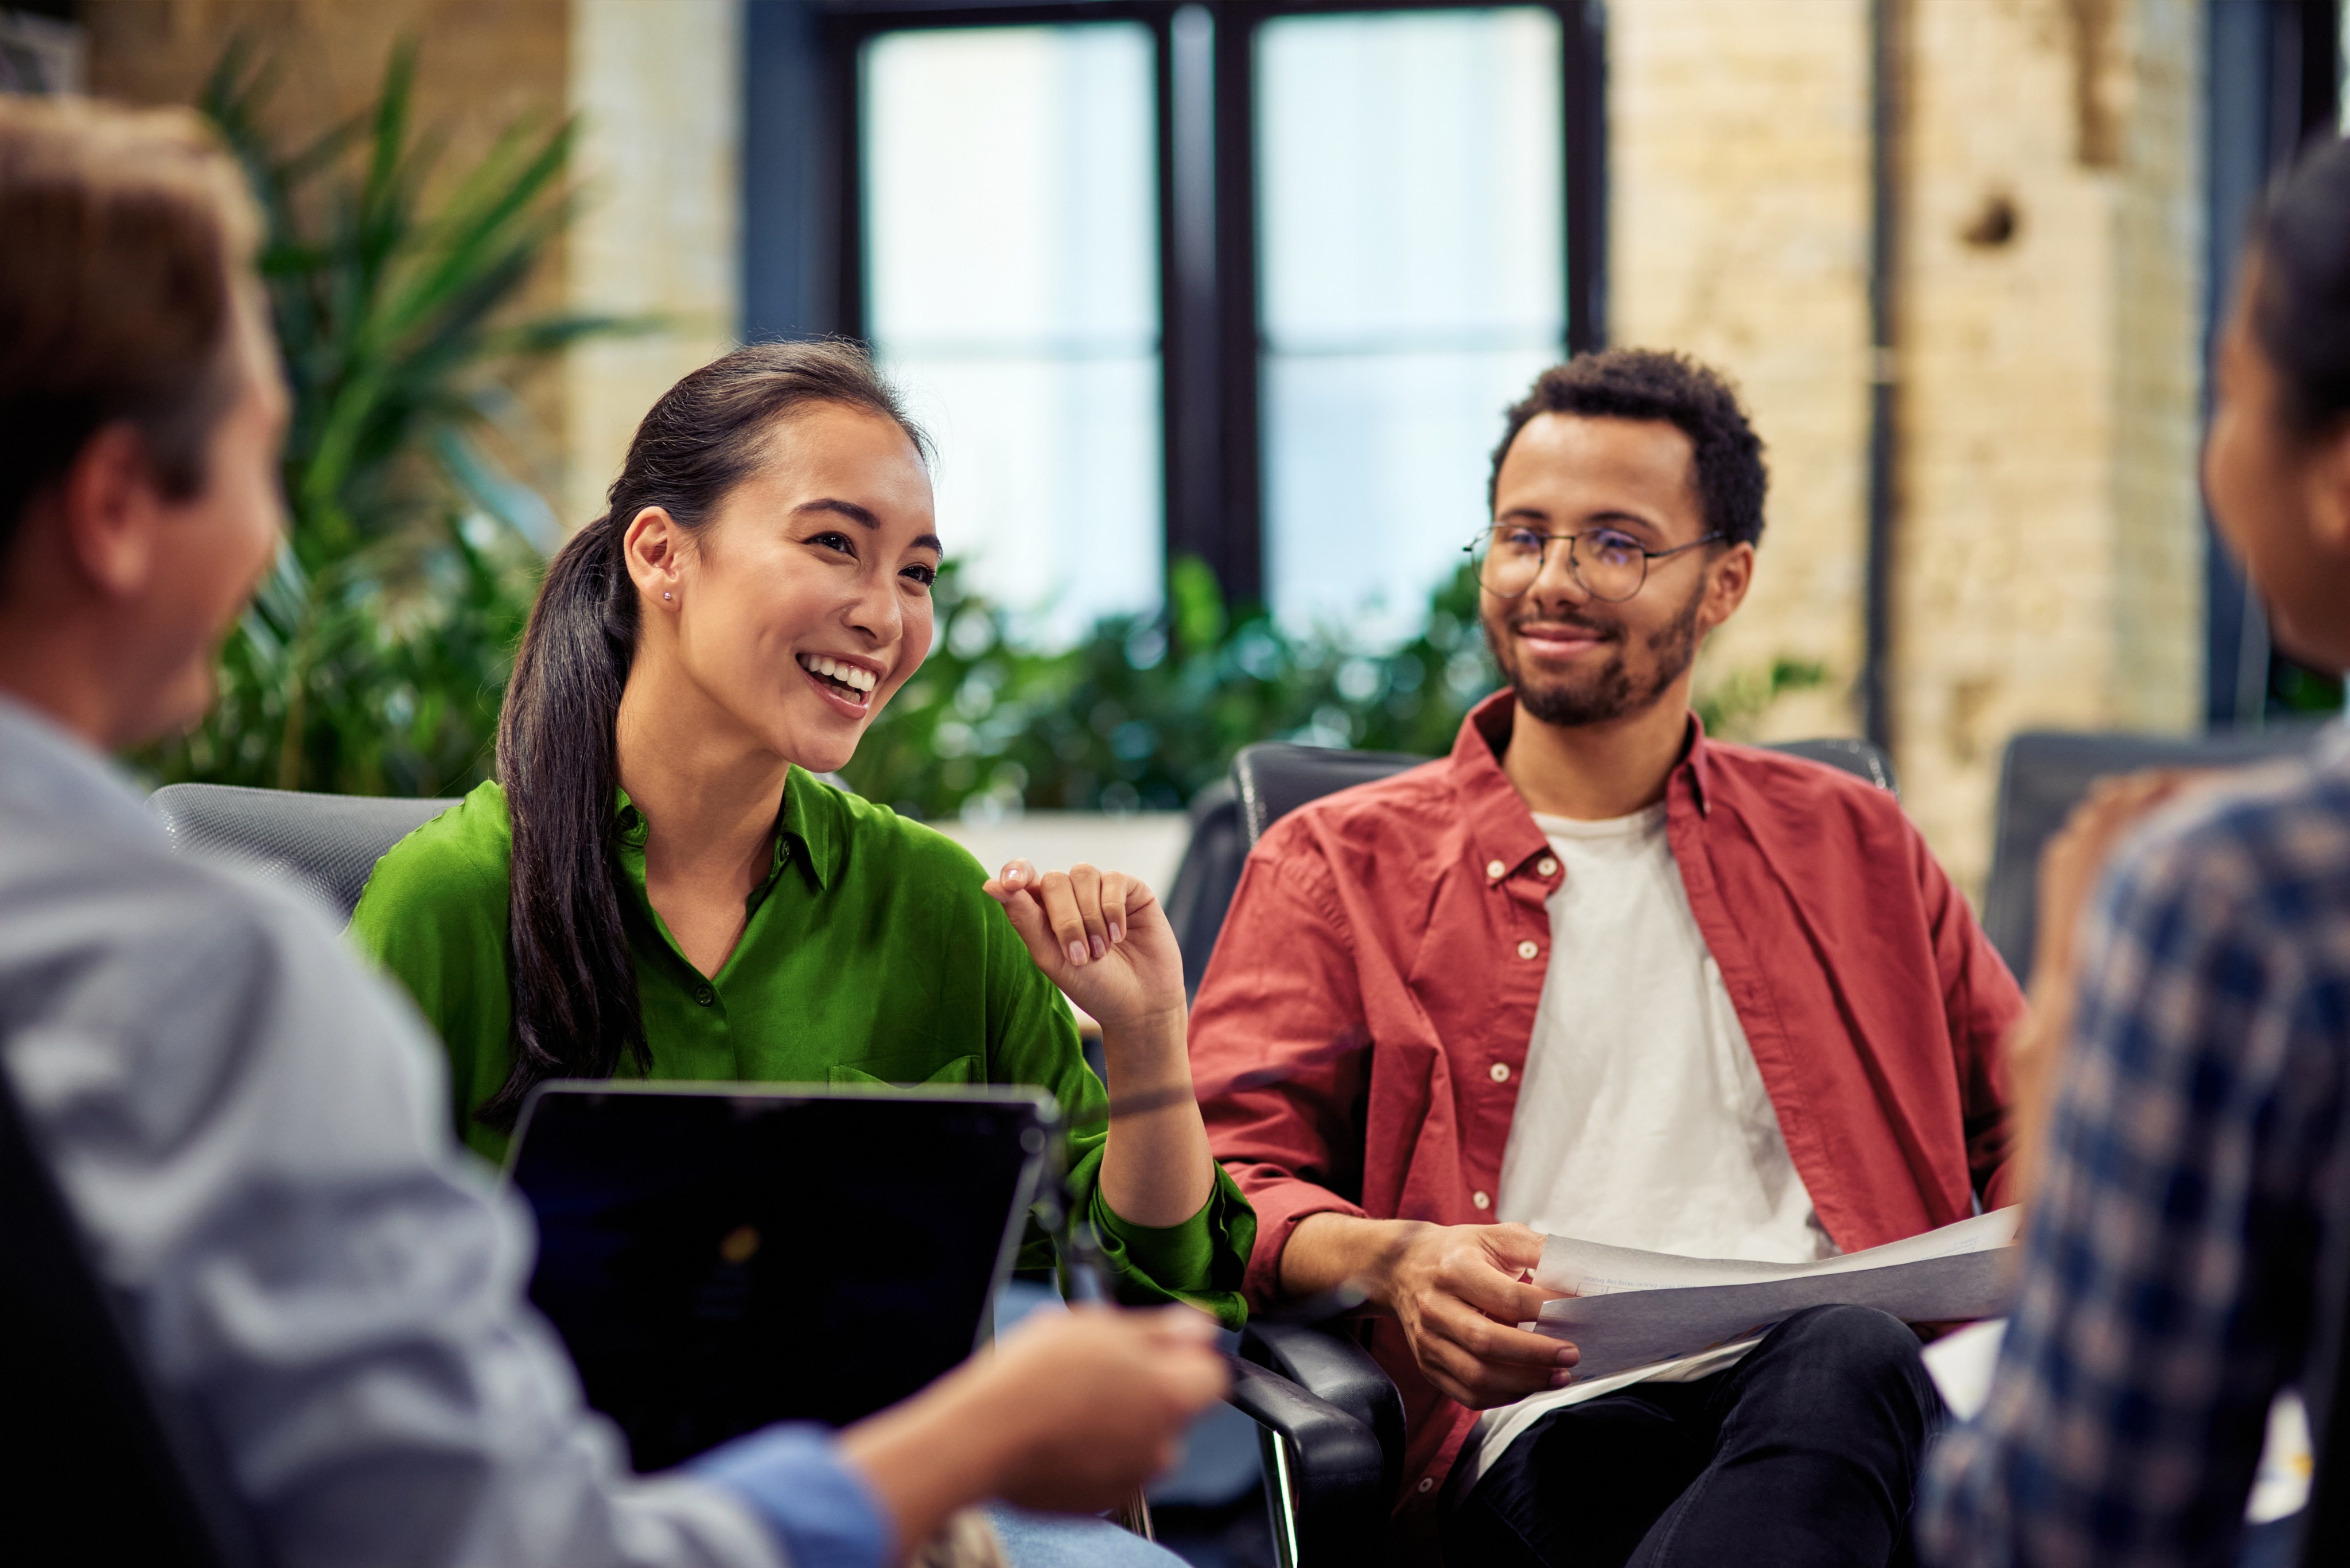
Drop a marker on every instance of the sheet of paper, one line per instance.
(1627, 1308)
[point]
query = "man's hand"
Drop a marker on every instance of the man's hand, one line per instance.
(1104, 1397)
(1073, 1412)
(1459, 1292)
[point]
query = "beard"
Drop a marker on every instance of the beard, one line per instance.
(1609, 692)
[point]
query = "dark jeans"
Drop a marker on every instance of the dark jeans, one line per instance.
(1804, 1454)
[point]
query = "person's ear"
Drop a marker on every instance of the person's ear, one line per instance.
(109, 510)
(2328, 479)
(1728, 577)
(654, 548)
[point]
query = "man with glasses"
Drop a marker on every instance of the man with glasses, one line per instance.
(1596, 975)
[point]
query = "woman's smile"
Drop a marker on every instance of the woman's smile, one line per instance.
(848, 685)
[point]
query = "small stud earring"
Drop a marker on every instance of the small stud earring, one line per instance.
(664, 595)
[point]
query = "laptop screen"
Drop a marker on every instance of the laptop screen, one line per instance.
(717, 1259)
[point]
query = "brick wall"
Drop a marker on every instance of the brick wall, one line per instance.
(481, 65)
(1738, 232)
(656, 86)
(2047, 566)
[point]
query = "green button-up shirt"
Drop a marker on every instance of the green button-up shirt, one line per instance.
(870, 956)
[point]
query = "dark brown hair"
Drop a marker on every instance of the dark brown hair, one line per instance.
(2301, 315)
(576, 1013)
(1649, 384)
(128, 236)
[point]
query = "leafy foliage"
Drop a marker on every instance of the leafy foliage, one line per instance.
(376, 653)
(1147, 711)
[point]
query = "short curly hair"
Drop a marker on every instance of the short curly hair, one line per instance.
(1652, 384)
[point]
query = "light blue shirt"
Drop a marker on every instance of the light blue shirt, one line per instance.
(251, 1132)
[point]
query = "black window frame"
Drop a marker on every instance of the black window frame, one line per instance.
(802, 219)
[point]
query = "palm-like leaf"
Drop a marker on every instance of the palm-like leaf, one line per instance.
(377, 651)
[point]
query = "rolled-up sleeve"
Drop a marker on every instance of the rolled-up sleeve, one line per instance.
(1279, 1043)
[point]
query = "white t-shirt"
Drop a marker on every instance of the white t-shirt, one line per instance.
(1641, 1120)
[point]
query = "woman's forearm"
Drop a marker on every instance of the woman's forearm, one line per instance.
(1157, 1171)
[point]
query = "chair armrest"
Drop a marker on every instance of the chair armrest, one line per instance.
(1327, 1463)
(1322, 1361)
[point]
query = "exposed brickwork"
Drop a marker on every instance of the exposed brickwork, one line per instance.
(656, 86)
(1738, 232)
(2047, 566)
(482, 65)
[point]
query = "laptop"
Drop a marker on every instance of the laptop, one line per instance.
(719, 1257)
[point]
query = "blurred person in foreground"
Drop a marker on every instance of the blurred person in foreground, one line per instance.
(248, 1129)
(1595, 974)
(2192, 1014)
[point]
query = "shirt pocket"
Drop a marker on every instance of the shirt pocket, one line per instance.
(961, 1070)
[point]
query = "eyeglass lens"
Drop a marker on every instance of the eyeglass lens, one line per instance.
(1610, 565)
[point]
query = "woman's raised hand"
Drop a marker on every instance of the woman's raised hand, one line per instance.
(1100, 936)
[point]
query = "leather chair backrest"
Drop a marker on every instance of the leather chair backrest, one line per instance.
(1273, 778)
(1205, 880)
(103, 1467)
(326, 845)
(2046, 773)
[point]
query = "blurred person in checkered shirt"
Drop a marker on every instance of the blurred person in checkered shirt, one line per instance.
(2191, 1033)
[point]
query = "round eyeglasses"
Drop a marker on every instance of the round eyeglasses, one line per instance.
(1611, 565)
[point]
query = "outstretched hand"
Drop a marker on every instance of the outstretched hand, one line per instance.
(2071, 866)
(1100, 936)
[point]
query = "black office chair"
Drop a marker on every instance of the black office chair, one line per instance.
(2045, 774)
(1271, 780)
(105, 1467)
(1328, 1503)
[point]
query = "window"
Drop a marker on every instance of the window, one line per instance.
(1409, 198)
(1011, 238)
(1246, 281)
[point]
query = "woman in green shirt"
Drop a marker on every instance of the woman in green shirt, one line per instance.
(659, 886)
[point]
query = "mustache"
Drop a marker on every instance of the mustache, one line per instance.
(1609, 629)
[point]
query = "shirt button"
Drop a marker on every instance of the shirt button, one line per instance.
(1495, 869)
(1481, 1201)
(1528, 949)
(1427, 1483)
(704, 995)
(1500, 1072)
(1546, 865)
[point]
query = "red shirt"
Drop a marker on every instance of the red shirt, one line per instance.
(1387, 947)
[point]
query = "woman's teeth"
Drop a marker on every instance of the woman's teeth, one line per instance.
(859, 681)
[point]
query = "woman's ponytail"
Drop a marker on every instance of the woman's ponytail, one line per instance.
(571, 975)
(576, 1013)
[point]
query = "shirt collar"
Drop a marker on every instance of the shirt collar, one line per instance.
(809, 823)
(50, 770)
(1499, 819)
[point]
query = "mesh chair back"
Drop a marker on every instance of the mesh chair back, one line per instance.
(326, 845)
(103, 1467)
(2047, 771)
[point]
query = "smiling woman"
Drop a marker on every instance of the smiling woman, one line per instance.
(659, 886)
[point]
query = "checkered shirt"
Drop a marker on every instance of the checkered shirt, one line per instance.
(2194, 1181)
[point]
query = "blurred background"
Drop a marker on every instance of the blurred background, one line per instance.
(1213, 307)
